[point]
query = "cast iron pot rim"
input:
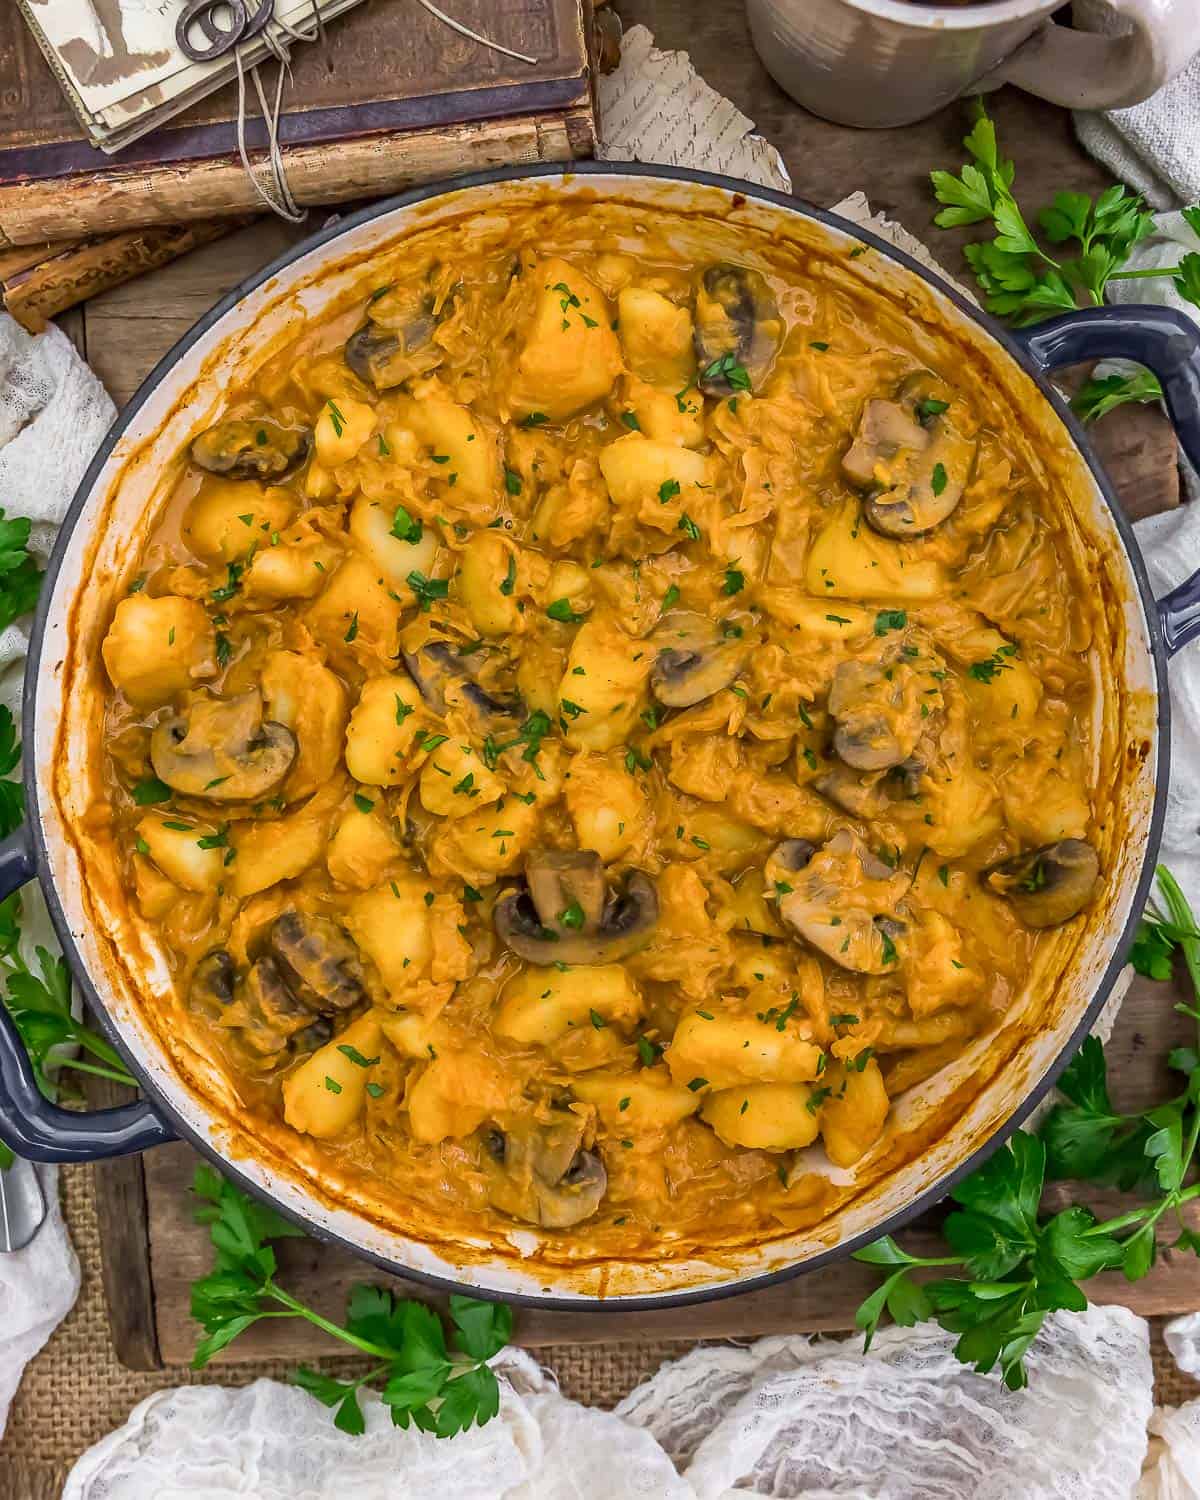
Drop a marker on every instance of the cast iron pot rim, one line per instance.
(686, 1296)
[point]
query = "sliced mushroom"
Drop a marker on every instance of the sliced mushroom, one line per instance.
(318, 960)
(251, 448)
(570, 885)
(445, 677)
(842, 900)
(539, 934)
(542, 1174)
(1050, 885)
(221, 749)
(912, 457)
(275, 1013)
(737, 323)
(694, 661)
(213, 979)
(857, 793)
(877, 710)
(387, 357)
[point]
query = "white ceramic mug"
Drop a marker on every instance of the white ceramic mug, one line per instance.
(890, 62)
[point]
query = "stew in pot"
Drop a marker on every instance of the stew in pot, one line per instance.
(593, 724)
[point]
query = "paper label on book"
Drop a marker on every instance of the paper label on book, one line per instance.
(121, 57)
(656, 108)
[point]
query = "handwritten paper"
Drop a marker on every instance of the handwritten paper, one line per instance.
(655, 107)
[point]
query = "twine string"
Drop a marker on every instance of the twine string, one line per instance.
(276, 191)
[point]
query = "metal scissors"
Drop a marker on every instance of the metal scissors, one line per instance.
(226, 24)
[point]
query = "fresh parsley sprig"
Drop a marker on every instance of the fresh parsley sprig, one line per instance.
(1020, 279)
(441, 1385)
(1018, 1266)
(20, 576)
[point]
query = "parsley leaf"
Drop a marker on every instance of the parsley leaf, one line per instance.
(441, 1384)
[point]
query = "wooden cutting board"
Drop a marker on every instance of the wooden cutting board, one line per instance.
(153, 1249)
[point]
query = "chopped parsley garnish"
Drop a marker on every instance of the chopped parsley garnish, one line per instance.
(561, 611)
(890, 619)
(427, 589)
(406, 528)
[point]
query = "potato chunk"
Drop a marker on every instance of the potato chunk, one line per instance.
(607, 806)
(647, 1100)
(454, 1095)
(657, 337)
(854, 1113)
(268, 853)
(176, 850)
(230, 516)
(383, 727)
(326, 1093)
(603, 688)
(156, 648)
(371, 526)
(342, 428)
(454, 781)
(763, 1116)
(486, 583)
(725, 1048)
(358, 606)
(571, 355)
(849, 560)
(538, 1006)
(361, 849)
(459, 442)
(408, 937)
(305, 696)
(636, 468)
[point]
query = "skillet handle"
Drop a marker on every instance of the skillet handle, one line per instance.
(1167, 342)
(32, 1126)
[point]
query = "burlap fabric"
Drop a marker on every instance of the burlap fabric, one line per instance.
(76, 1390)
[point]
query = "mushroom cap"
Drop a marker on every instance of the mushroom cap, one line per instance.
(213, 978)
(1047, 886)
(693, 660)
(387, 357)
(842, 900)
(444, 677)
(251, 448)
(736, 322)
(222, 750)
(625, 926)
(877, 711)
(567, 883)
(912, 458)
(542, 1174)
(318, 960)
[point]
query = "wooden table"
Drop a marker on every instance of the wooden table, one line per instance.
(125, 331)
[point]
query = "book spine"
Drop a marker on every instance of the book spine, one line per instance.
(368, 167)
(61, 275)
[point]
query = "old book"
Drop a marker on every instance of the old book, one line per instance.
(123, 71)
(391, 97)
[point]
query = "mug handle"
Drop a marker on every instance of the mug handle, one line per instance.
(1167, 342)
(32, 1126)
(1094, 70)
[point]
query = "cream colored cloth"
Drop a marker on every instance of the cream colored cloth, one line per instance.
(1155, 145)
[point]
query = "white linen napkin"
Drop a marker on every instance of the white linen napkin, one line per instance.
(53, 414)
(1155, 145)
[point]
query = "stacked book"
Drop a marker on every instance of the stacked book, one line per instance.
(105, 130)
